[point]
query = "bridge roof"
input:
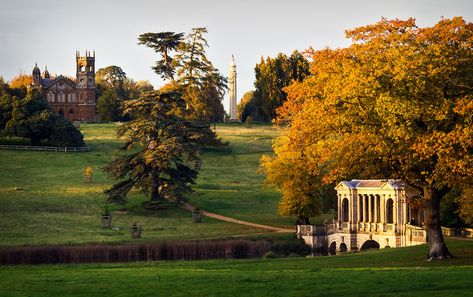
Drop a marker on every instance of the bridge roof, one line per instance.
(372, 184)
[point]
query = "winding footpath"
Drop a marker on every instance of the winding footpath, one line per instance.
(189, 207)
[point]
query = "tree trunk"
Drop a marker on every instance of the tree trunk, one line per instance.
(437, 247)
(155, 195)
(302, 220)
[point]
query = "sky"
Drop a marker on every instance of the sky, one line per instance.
(50, 31)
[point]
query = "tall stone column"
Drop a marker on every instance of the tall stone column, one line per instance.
(233, 91)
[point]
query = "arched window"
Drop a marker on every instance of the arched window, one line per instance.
(61, 113)
(345, 210)
(389, 211)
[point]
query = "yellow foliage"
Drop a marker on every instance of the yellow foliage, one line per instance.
(21, 81)
(397, 103)
(89, 171)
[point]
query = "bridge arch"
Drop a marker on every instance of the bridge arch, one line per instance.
(343, 248)
(332, 248)
(370, 244)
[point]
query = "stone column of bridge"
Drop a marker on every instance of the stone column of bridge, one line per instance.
(360, 216)
(350, 211)
(339, 208)
(370, 216)
(376, 209)
(406, 218)
(395, 212)
(383, 209)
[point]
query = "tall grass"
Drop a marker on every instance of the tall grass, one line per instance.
(168, 250)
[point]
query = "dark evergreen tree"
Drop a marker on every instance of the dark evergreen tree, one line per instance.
(30, 117)
(190, 72)
(272, 76)
(163, 141)
(165, 132)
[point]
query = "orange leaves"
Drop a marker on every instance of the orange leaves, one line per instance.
(21, 81)
(382, 30)
(396, 104)
(466, 204)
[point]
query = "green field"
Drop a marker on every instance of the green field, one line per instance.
(55, 206)
(388, 272)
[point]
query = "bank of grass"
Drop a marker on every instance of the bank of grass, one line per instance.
(55, 206)
(229, 184)
(388, 272)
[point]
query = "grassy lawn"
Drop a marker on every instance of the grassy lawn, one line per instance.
(55, 206)
(389, 272)
(228, 183)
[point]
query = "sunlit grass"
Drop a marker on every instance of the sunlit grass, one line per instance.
(388, 272)
(44, 200)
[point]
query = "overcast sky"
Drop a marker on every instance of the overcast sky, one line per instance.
(50, 31)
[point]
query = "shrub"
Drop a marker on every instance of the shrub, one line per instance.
(64, 133)
(293, 246)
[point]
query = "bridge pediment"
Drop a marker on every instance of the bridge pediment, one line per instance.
(387, 186)
(344, 185)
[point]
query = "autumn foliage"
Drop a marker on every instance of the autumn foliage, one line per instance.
(397, 103)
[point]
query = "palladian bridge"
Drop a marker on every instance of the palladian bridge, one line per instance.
(371, 214)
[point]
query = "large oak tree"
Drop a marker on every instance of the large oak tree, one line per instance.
(397, 103)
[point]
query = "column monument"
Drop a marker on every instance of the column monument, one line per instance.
(233, 91)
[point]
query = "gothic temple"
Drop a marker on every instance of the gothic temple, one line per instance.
(72, 99)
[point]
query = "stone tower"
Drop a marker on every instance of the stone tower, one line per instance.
(233, 91)
(36, 76)
(85, 81)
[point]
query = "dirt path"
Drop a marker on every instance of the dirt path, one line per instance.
(189, 207)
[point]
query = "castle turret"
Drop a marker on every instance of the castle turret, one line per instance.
(36, 76)
(85, 82)
(46, 72)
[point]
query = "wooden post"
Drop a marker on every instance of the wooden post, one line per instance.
(136, 231)
(197, 215)
(197, 165)
(107, 221)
